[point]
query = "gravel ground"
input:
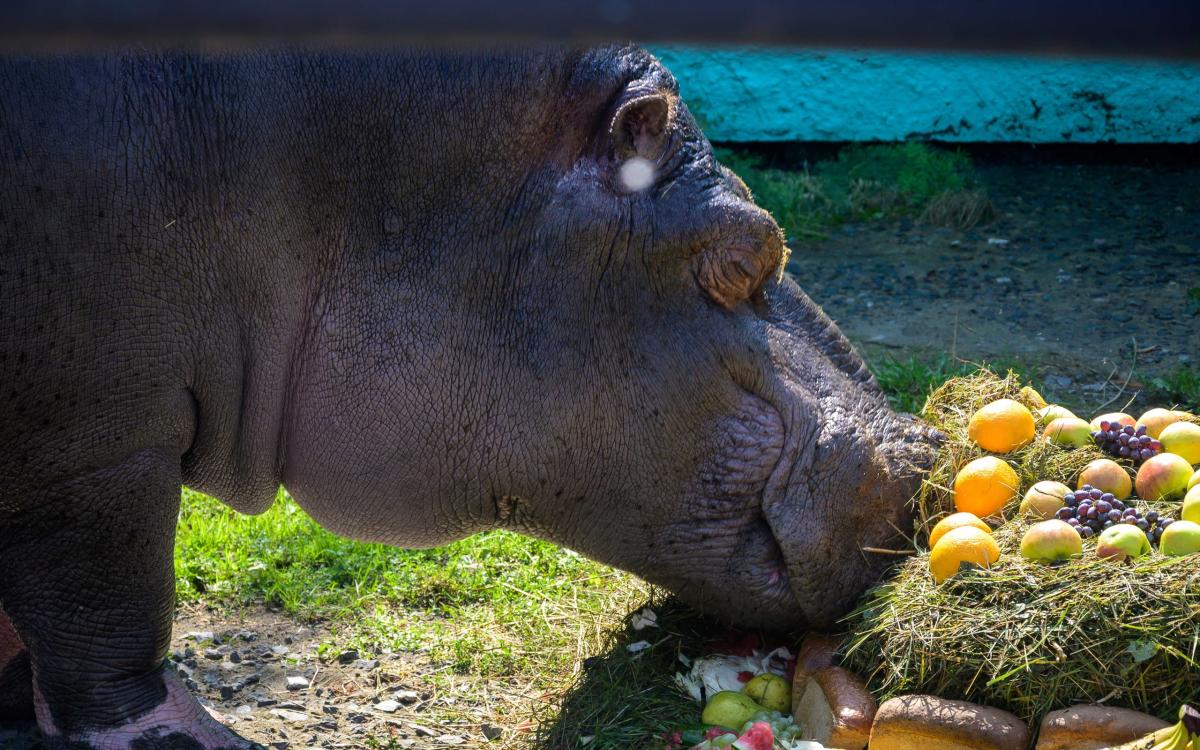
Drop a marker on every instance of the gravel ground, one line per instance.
(1081, 265)
(261, 673)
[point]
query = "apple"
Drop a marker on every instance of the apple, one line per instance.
(1163, 477)
(1052, 541)
(1111, 417)
(1182, 439)
(730, 708)
(1156, 419)
(1191, 505)
(1195, 480)
(1069, 431)
(1106, 475)
(1044, 499)
(1180, 538)
(1123, 541)
(1048, 414)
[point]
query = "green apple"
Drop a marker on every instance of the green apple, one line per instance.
(770, 691)
(1191, 505)
(1048, 414)
(1180, 538)
(1052, 541)
(1044, 499)
(1116, 417)
(1122, 542)
(1157, 419)
(1070, 432)
(1163, 477)
(730, 708)
(1182, 439)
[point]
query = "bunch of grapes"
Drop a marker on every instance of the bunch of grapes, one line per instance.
(1090, 511)
(1124, 441)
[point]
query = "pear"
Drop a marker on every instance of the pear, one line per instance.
(771, 691)
(730, 708)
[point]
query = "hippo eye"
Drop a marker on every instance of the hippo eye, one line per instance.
(730, 273)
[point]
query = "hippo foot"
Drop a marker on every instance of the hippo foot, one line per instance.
(178, 723)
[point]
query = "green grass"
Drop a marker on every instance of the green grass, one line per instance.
(1180, 387)
(865, 183)
(908, 382)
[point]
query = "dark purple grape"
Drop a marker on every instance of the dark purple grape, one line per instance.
(1142, 524)
(1064, 513)
(1074, 522)
(1108, 497)
(1130, 513)
(1086, 532)
(1127, 430)
(1165, 522)
(1145, 441)
(1141, 430)
(1103, 506)
(1123, 439)
(1096, 494)
(1105, 525)
(1151, 516)
(1093, 513)
(1086, 488)
(1117, 504)
(1114, 515)
(1155, 445)
(1123, 451)
(1083, 507)
(1145, 454)
(1104, 425)
(1096, 524)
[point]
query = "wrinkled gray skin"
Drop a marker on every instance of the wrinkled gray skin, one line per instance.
(415, 290)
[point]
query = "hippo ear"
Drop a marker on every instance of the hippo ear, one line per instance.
(639, 127)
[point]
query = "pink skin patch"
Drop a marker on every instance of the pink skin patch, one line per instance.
(179, 712)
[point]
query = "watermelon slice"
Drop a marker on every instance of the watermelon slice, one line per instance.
(758, 737)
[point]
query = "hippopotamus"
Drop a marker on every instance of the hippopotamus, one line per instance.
(430, 294)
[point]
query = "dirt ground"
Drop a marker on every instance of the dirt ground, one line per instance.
(1082, 265)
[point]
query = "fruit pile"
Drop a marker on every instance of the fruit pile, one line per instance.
(1163, 446)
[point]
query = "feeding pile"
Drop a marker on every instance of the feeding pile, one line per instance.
(1022, 635)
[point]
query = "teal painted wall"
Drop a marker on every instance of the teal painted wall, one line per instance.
(785, 95)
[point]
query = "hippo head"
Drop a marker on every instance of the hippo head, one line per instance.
(581, 330)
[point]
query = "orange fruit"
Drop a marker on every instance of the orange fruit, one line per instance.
(955, 521)
(966, 544)
(1001, 426)
(984, 486)
(1106, 475)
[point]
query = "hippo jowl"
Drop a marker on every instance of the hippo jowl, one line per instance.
(431, 294)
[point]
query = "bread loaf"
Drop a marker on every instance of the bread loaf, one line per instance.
(836, 709)
(817, 652)
(1089, 727)
(924, 722)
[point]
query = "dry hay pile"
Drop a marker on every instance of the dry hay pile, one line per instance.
(1024, 636)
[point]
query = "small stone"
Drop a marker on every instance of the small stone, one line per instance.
(279, 650)
(289, 715)
(421, 731)
(213, 654)
(347, 657)
(450, 739)
(235, 657)
(297, 682)
(491, 732)
(280, 744)
(200, 635)
(191, 684)
(263, 701)
(226, 692)
(366, 665)
(406, 696)
(245, 710)
(293, 706)
(329, 709)
(388, 706)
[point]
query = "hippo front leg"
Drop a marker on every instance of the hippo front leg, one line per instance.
(88, 584)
